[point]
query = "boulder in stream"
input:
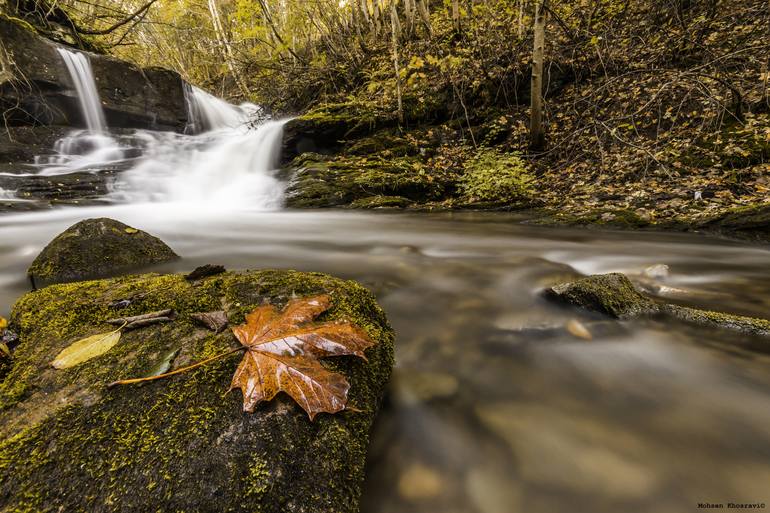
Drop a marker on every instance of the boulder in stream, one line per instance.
(68, 443)
(614, 295)
(96, 248)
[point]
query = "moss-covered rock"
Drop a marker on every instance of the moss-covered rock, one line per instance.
(67, 443)
(610, 294)
(320, 181)
(96, 248)
(614, 295)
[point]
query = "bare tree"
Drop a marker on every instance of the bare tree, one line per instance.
(536, 129)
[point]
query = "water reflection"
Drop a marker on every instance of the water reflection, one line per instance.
(495, 407)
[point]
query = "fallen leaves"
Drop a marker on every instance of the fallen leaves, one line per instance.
(215, 321)
(86, 349)
(282, 352)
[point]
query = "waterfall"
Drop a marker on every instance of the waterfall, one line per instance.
(224, 169)
(79, 68)
(207, 112)
(227, 159)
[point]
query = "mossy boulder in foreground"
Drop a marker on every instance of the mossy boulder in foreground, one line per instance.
(67, 443)
(95, 248)
(614, 295)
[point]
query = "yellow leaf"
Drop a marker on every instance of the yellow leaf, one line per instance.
(85, 349)
(3, 323)
(131, 230)
(4, 351)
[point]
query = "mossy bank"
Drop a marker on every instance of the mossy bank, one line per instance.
(67, 443)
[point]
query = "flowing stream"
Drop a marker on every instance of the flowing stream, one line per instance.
(494, 407)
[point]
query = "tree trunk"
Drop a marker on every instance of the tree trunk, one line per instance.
(227, 51)
(395, 36)
(456, 15)
(422, 8)
(536, 130)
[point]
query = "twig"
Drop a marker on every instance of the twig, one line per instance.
(177, 371)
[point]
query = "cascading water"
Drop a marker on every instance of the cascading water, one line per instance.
(229, 168)
(79, 68)
(221, 162)
(89, 149)
(207, 112)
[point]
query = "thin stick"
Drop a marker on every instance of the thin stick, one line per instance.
(177, 371)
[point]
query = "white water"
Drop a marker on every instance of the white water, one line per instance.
(223, 162)
(207, 112)
(226, 169)
(82, 76)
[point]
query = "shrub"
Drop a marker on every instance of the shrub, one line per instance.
(494, 176)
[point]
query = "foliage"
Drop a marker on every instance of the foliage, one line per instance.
(282, 353)
(86, 349)
(492, 176)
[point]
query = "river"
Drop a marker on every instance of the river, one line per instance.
(494, 407)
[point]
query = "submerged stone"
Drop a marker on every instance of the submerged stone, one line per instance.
(68, 443)
(96, 248)
(614, 295)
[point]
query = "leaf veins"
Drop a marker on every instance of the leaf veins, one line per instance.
(282, 352)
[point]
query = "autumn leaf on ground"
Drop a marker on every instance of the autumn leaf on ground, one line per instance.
(85, 349)
(282, 352)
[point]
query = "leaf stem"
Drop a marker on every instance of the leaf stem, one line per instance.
(177, 371)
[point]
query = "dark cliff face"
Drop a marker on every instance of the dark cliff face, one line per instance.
(40, 91)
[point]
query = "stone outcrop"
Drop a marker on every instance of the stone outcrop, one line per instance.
(35, 88)
(95, 248)
(68, 443)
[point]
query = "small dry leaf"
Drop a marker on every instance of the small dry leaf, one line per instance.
(283, 351)
(3, 323)
(131, 230)
(578, 329)
(215, 321)
(85, 349)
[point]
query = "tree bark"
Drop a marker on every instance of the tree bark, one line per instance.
(422, 8)
(395, 36)
(536, 129)
(456, 15)
(227, 51)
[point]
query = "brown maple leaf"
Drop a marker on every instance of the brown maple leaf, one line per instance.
(282, 352)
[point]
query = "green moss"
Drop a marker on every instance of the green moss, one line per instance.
(381, 202)
(739, 323)
(96, 248)
(610, 294)
(19, 22)
(492, 176)
(180, 443)
(343, 180)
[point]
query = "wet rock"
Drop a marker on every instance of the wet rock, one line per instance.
(204, 271)
(96, 248)
(610, 294)
(322, 130)
(182, 443)
(491, 492)
(419, 482)
(614, 295)
(568, 452)
(132, 97)
(319, 181)
(413, 386)
(750, 223)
